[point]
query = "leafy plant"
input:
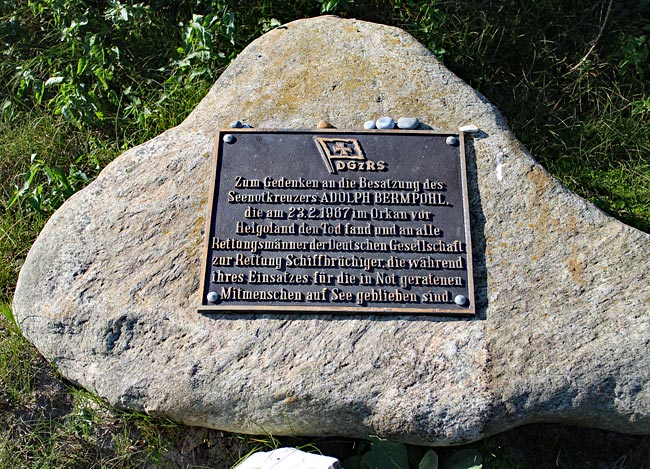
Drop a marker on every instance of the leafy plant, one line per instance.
(633, 49)
(46, 187)
(330, 6)
(464, 459)
(197, 49)
(384, 454)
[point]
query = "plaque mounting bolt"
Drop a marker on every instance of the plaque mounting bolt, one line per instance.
(451, 141)
(213, 297)
(460, 300)
(229, 138)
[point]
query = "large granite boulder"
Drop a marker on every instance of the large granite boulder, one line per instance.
(109, 290)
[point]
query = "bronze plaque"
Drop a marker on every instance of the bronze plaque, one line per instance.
(330, 221)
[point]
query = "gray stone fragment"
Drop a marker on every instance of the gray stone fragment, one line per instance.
(408, 122)
(369, 125)
(236, 124)
(385, 123)
(110, 288)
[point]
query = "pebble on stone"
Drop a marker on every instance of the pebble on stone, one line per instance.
(324, 125)
(385, 123)
(469, 129)
(408, 122)
(236, 124)
(368, 125)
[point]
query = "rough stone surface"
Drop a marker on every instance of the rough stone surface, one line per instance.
(109, 289)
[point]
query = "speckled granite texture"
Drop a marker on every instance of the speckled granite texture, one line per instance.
(109, 289)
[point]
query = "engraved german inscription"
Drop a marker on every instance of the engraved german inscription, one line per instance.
(330, 221)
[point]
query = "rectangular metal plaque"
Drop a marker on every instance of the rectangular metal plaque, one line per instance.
(329, 221)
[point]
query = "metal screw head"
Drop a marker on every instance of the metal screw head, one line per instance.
(460, 300)
(213, 297)
(452, 141)
(229, 138)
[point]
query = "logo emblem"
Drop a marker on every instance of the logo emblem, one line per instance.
(332, 149)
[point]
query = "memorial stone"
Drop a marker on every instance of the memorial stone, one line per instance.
(111, 290)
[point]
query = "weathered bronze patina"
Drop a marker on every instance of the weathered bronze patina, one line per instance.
(338, 222)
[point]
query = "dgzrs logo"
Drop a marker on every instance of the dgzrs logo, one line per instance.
(346, 154)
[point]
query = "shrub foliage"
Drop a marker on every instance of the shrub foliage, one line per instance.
(81, 80)
(570, 76)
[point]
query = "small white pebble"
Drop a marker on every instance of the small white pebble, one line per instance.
(385, 123)
(469, 129)
(408, 122)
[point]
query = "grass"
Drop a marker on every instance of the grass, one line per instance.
(82, 81)
(17, 374)
(46, 422)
